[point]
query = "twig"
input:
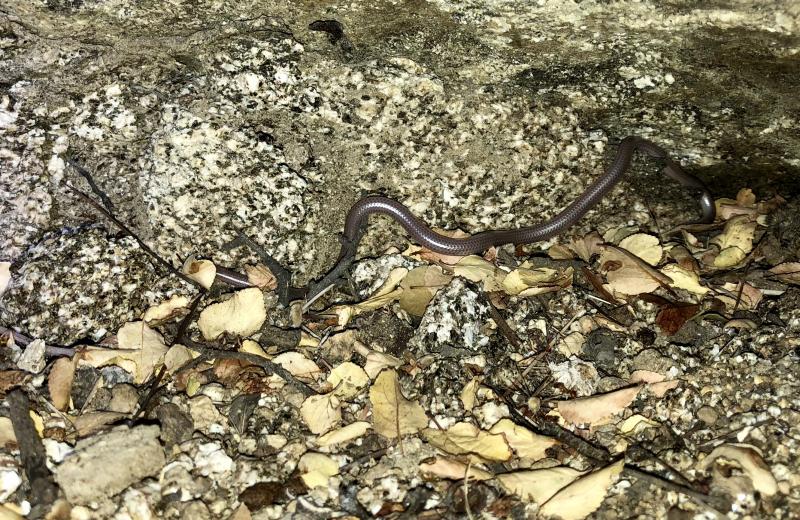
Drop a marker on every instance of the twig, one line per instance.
(139, 241)
(698, 497)
(283, 277)
(95, 189)
(22, 340)
(503, 325)
(32, 454)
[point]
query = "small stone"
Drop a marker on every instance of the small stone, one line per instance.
(124, 398)
(708, 415)
(176, 425)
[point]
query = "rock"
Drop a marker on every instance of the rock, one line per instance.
(106, 464)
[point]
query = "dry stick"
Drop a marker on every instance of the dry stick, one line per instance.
(23, 341)
(667, 484)
(127, 230)
(95, 189)
(31, 451)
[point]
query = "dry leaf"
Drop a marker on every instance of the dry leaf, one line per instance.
(377, 361)
(671, 318)
(581, 498)
(646, 247)
(527, 444)
(392, 414)
(572, 344)
(750, 461)
(59, 382)
(735, 241)
(538, 485)
(465, 438)
(476, 269)
(684, 279)
(524, 281)
(452, 469)
(787, 272)
(260, 276)
(436, 258)
(636, 424)
(317, 468)
(386, 294)
(659, 389)
(89, 423)
(140, 350)
(347, 379)
(560, 252)
(241, 315)
(742, 297)
(627, 274)
(645, 376)
(5, 276)
(344, 434)
(166, 310)
(253, 347)
(420, 286)
(587, 246)
(201, 271)
(177, 356)
(321, 413)
(7, 434)
(297, 364)
(596, 409)
(469, 393)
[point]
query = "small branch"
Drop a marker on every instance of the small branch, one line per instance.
(667, 484)
(95, 189)
(127, 230)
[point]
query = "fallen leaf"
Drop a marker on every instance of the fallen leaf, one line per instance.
(627, 274)
(177, 356)
(466, 438)
(571, 344)
(735, 241)
(435, 258)
(524, 281)
(166, 309)
(596, 409)
(671, 318)
(253, 347)
(538, 485)
(5, 276)
(347, 380)
(659, 389)
(419, 287)
(469, 393)
(750, 461)
(684, 279)
(201, 271)
(139, 350)
(344, 434)
(526, 444)
(59, 382)
(260, 276)
(386, 294)
(646, 247)
(321, 413)
(297, 364)
(392, 414)
(241, 315)
(582, 497)
(7, 434)
(478, 270)
(377, 361)
(787, 272)
(316, 468)
(89, 423)
(452, 469)
(744, 297)
(587, 246)
(636, 424)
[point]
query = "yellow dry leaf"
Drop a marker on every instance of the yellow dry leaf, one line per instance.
(452, 469)
(347, 379)
(646, 247)
(166, 310)
(750, 461)
(260, 276)
(201, 271)
(524, 281)
(436, 258)
(735, 241)
(140, 350)
(241, 315)
(684, 279)
(321, 413)
(177, 356)
(572, 344)
(538, 485)
(615, 235)
(386, 294)
(297, 364)
(59, 382)
(377, 361)
(636, 423)
(467, 439)
(741, 298)
(344, 434)
(316, 468)
(419, 287)
(560, 252)
(392, 414)
(597, 409)
(787, 272)
(6, 431)
(587, 246)
(627, 274)
(527, 444)
(470, 392)
(476, 269)
(5, 276)
(581, 498)
(253, 347)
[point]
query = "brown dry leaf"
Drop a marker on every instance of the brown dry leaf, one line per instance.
(316, 468)
(166, 309)
(627, 274)
(587, 246)
(750, 461)
(735, 241)
(347, 380)
(538, 485)
(745, 204)
(6, 432)
(645, 376)
(59, 382)
(646, 247)
(572, 344)
(435, 258)
(671, 318)
(527, 444)
(659, 389)
(201, 271)
(241, 315)
(524, 281)
(260, 276)
(560, 252)
(89, 423)
(467, 439)
(321, 413)
(597, 409)
(386, 294)
(684, 258)
(297, 364)
(344, 434)
(684, 279)
(787, 272)
(745, 297)
(581, 498)
(476, 269)
(392, 414)
(420, 286)
(452, 469)
(615, 235)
